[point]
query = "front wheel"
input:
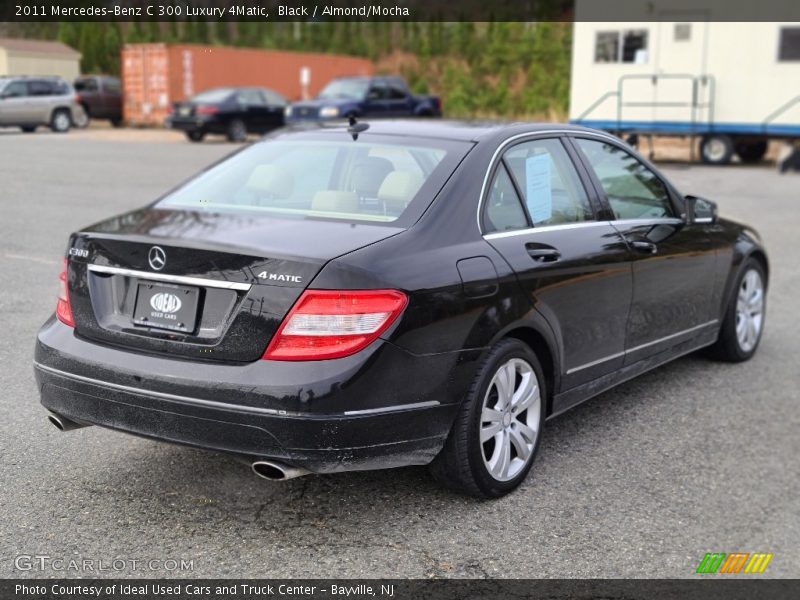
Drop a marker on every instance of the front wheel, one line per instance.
(743, 323)
(195, 136)
(496, 434)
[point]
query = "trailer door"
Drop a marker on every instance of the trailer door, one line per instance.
(682, 92)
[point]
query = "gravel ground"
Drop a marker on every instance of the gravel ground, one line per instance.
(640, 482)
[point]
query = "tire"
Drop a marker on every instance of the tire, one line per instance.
(751, 152)
(237, 131)
(716, 149)
(743, 323)
(472, 467)
(195, 136)
(28, 128)
(116, 123)
(61, 121)
(82, 119)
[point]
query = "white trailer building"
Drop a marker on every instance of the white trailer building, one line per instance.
(735, 85)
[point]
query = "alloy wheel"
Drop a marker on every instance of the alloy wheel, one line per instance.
(510, 417)
(750, 310)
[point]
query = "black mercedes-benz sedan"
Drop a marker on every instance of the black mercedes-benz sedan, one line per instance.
(232, 112)
(368, 296)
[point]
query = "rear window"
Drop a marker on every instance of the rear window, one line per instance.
(211, 96)
(376, 179)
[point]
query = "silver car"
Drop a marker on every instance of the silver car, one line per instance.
(28, 102)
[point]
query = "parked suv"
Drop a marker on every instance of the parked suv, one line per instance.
(28, 102)
(101, 98)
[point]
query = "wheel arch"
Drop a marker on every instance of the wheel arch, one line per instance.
(58, 108)
(541, 346)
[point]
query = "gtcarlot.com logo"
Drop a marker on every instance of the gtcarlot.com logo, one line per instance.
(44, 562)
(733, 563)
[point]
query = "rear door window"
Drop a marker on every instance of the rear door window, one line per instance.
(503, 210)
(41, 88)
(546, 179)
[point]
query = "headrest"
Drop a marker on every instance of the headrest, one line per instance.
(369, 174)
(271, 180)
(335, 201)
(399, 188)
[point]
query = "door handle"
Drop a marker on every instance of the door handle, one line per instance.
(543, 254)
(645, 247)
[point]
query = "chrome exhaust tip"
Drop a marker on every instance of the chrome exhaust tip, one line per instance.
(275, 471)
(63, 423)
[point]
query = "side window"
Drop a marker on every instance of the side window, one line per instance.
(789, 44)
(396, 91)
(15, 89)
(86, 85)
(633, 190)
(545, 176)
(503, 210)
(378, 91)
(274, 99)
(250, 98)
(40, 88)
(112, 85)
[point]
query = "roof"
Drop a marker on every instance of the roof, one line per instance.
(468, 131)
(38, 47)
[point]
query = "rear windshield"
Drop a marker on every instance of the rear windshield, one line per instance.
(376, 179)
(216, 95)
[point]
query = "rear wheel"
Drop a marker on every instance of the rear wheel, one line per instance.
(60, 122)
(237, 131)
(716, 149)
(195, 136)
(116, 122)
(743, 323)
(751, 152)
(498, 429)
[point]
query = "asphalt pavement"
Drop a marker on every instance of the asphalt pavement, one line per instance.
(642, 481)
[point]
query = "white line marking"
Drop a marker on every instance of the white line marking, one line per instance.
(36, 259)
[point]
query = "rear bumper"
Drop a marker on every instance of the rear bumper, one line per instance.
(327, 425)
(201, 125)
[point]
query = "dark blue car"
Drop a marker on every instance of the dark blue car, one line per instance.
(365, 97)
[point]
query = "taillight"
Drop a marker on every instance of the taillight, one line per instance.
(206, 110)
(331, 324)
(63, 308)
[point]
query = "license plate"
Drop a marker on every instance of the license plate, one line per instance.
(166, 306)
(184, 111)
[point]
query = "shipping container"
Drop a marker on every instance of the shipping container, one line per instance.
(156, 75)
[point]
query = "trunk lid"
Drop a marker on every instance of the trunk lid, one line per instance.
(199, 285)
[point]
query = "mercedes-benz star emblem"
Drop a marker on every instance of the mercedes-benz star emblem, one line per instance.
(157, 258)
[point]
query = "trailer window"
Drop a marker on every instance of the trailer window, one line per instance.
(628, 46)
(789, 48)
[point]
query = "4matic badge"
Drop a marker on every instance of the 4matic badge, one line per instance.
(280, 277)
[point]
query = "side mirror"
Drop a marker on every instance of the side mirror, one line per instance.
(700, 210)
(373, 95)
